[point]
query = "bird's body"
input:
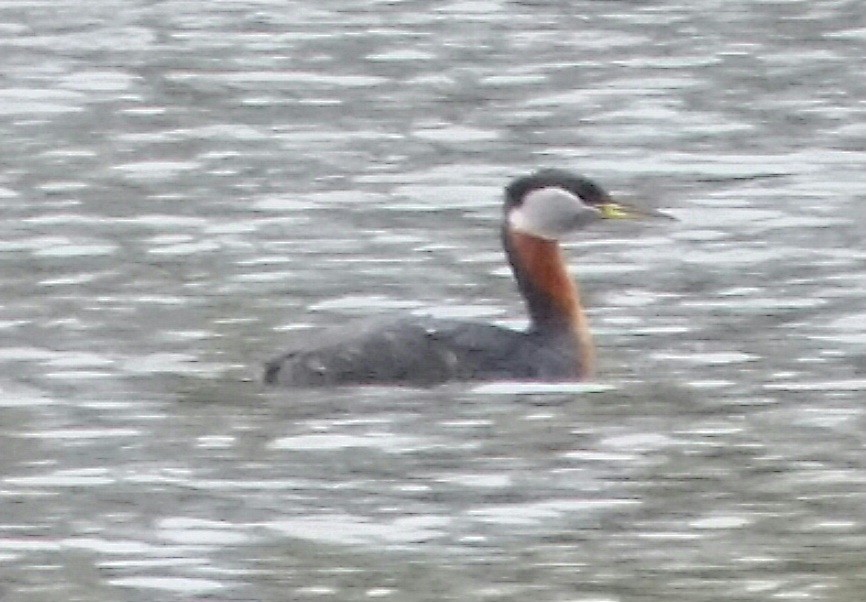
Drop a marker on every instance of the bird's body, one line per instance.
(411, 350)
(423, 351)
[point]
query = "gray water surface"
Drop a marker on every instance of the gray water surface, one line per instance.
(184, 185)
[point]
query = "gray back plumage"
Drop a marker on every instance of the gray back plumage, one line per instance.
(419, 351)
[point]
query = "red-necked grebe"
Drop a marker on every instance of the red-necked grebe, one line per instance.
(539, 209)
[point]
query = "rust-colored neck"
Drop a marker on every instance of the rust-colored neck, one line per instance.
(551, 295)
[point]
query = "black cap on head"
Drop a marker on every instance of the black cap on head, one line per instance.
(586, 189)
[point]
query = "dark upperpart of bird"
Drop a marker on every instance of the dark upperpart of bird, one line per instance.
(557, 346)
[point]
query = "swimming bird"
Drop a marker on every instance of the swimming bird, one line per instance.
(539, 209)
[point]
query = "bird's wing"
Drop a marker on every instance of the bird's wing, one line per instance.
(409, 350)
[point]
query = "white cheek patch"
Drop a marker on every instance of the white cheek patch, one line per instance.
(551, 212)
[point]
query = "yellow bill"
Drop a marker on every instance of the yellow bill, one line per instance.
(619, 210)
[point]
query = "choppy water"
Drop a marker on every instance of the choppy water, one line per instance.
(183, 184)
